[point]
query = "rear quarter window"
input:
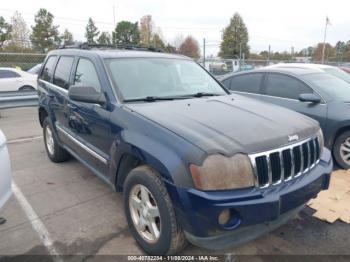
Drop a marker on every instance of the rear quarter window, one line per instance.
(48, 69)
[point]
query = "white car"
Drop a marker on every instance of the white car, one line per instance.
(332, 70)
(12, 79)
(5, 172)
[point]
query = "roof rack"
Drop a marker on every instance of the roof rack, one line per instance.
(87, 46)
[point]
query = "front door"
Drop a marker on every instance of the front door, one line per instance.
(284, 90)
(89, 123)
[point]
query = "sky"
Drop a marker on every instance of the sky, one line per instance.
(280, 24)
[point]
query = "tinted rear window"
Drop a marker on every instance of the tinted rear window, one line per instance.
(62, 72)
(248, 83)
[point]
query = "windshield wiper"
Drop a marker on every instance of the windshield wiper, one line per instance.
(149, 99)
(164, 98)
(201, 94)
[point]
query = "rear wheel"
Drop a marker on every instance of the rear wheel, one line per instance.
(341, 150)
(150, 214)
(54, 151)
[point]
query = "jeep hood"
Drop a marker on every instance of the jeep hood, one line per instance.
(228, 124)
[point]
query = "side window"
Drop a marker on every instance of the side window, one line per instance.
(86, 75)
(8, 74)
(47, 72)
(285, 86)
(62, 72)
(248, 83)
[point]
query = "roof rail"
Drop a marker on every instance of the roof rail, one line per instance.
(87, 46)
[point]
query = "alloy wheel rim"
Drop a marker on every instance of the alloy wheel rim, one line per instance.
(49, 141)
(145, 213)
(345, 151)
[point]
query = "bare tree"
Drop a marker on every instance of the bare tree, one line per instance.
(146, 29)
(20, 32)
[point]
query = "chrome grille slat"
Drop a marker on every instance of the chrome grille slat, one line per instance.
(282, 166)
(308, 156)
(301, 160)
(255, 171)
(270, 167)
(314, 152)
(293, 163)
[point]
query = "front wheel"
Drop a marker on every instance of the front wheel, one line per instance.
(341, 150)
(150, 214)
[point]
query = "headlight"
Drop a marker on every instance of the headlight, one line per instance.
(320, 140)
(219, 172)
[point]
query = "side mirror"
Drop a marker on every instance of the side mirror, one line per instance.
(312, 98)
(86, 94)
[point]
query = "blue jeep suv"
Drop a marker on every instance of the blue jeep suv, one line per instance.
(194, 162)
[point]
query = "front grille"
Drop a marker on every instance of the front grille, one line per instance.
(283, 164)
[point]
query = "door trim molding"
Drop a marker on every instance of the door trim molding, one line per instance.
(86, 148)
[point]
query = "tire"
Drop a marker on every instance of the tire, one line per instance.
(26, 88)
(54, 151)
(342, 142)
(171, 238)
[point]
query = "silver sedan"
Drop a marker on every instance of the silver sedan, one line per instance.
(5, 171)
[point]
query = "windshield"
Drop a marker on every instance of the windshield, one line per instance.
(137, 78)
(338, 73)
(331, 85)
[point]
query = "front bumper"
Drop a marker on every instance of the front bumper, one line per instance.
(5, 172)
(254, 211)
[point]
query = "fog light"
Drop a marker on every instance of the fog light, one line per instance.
(224, 217)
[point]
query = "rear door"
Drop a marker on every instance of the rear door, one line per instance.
(284, 90)
(246, 84)
(60, 83)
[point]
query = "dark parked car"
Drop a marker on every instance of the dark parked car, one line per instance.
(316, 94)
(193, 161)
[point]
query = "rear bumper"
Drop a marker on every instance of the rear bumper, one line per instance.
(5, 172)
(253, 211)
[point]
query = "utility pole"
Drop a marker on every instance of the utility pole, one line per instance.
(268, 55)
(240, 56)
(204, 52)
(114, 17)
(324, 39)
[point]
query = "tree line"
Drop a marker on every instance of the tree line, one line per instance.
(44, 35)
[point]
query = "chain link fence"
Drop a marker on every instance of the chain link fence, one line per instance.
(216, 66)
(23, 61)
